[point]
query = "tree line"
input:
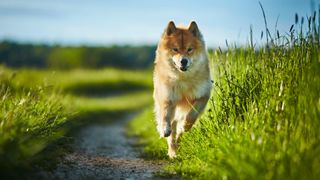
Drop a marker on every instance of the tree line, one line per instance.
(13, 54)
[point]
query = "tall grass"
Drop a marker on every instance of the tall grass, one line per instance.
(263, 119)
(29, 117)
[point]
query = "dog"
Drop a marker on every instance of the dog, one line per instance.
(182, 81)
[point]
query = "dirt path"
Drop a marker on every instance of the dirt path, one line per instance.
(102, 151)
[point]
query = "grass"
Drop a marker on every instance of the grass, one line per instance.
(143, 126)
(28, 119)
(78, 81)
(263, 119)
(40, 107)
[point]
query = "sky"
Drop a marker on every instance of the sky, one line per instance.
(108, 22)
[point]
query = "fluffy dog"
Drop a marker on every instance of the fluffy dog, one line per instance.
(182, 81)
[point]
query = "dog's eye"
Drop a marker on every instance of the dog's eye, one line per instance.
(175, 49)
(189, 50)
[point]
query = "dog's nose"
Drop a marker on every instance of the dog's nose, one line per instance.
(184, 62)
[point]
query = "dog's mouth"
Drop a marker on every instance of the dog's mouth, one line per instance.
(183, 68)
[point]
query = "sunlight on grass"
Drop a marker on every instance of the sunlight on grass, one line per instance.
(129, 101)
(68, 79)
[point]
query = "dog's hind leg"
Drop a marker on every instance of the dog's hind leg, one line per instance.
(171, 140)
(197, 107)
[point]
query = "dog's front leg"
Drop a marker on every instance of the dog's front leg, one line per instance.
(198, 106)
(171, 140)
(167, 110)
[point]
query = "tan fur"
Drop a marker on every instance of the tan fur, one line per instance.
(180, 92)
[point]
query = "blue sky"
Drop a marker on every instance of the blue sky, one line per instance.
(105, 22)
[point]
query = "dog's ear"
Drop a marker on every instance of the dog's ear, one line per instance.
(193, 28)
(171, 28)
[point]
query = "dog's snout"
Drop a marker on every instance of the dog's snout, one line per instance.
(184, 62)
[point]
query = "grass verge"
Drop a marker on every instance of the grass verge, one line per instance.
(143, 126)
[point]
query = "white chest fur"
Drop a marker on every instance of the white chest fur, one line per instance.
(192, 89)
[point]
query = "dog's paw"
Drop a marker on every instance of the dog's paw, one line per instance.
(172, 153)
(164, 131)
(167, 129)
(172, 148)
(167, 132)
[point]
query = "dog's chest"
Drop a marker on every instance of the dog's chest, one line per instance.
(191, 90)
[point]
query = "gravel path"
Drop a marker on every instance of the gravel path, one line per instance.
(102, 151)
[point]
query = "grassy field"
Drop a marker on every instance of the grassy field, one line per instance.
(263, 119)
(39, 107)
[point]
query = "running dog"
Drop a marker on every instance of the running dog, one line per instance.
(182, 81)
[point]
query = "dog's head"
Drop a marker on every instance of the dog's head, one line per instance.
(182, 45)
